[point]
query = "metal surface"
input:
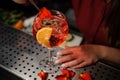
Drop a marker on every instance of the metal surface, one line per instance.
(20, 54)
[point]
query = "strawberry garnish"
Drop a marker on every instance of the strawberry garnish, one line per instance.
(61, 77)
(66, 74)
(85, 76)
(43, 75)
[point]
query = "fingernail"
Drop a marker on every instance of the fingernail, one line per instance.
(63, 65)
(58, 53)
(56, 62)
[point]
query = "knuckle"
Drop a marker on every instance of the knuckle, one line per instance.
(71, 56)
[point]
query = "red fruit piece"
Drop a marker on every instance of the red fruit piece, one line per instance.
(68, 73)
(61, 77)
(43, 75)
(85, 76)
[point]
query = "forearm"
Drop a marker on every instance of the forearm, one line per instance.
(110, 54)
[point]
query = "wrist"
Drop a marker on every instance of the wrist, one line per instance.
(101, 52)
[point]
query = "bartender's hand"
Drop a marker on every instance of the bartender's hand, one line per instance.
(80, 56)
(20, 1)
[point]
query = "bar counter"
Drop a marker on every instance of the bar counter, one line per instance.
(20, 55)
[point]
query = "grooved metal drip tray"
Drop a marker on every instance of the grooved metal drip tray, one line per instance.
(20, 54)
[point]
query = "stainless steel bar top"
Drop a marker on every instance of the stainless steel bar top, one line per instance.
(20, 54)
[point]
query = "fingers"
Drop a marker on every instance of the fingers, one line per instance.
(82, 64)
(74, 64)
(63, 52)
(71, 63)
(20, 1)
(64, 59)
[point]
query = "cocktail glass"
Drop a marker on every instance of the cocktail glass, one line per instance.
(50, 29)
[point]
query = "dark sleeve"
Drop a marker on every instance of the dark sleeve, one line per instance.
(10, 5)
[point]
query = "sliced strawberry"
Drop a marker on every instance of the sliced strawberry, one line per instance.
(85, 76)
(61, 77)
(68, 73)
(43, 75)
(44, 13)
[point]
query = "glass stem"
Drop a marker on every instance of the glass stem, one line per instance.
(50, 55)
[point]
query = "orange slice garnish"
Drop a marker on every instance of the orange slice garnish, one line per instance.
(43, 35)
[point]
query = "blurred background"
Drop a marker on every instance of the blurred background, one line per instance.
(21, 16)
